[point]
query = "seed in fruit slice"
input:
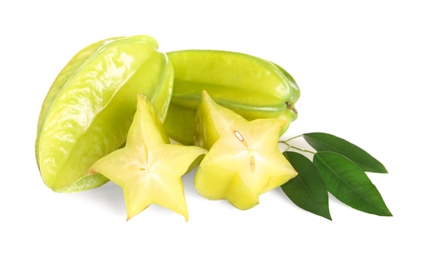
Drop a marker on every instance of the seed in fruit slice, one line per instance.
(90, 106)
(243, 159)
(149, 169)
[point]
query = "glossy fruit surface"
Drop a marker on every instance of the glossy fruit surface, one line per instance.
(90, 106)
(243, 159)
(149, 169)
(250, 86)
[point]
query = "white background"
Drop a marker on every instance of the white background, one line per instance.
(358, 64)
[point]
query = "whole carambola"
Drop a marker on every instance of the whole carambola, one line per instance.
(90, 106)
(250, 86)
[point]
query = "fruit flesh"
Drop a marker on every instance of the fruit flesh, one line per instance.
(250, 86)
(243, 159)
(91, 110)
(149, 168)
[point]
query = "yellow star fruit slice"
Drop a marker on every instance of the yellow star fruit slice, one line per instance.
(243, 159)
(149, 169)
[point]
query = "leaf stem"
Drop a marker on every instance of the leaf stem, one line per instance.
(291, 138)
(289, 146)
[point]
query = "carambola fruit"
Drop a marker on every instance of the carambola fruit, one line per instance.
(89, 108)
(149, 169)
(250, 86)
(244, 160)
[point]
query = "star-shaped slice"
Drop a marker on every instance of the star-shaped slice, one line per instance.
(149, 169)
(244, 160)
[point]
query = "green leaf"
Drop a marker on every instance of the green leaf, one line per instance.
(307, 190)
(328, 142)
(349, 183)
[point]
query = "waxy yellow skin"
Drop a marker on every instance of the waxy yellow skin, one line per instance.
(90, 106)
(243, 159)
(250, 86)
(149, 169)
